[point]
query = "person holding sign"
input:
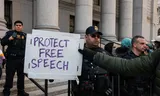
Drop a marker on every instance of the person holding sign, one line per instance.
(93, 80)
(15, 40)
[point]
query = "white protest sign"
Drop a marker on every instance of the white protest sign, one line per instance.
(53, 54)
(81, 46)
(27, 53)
(79, 67)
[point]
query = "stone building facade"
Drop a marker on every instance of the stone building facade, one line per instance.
(117, 19)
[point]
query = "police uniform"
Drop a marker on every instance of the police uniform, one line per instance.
(94, 81)
(15, 59)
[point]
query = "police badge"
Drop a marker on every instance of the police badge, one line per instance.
(22, 37)
(18, 36)
(96, 28)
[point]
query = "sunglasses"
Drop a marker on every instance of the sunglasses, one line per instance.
(95, 35)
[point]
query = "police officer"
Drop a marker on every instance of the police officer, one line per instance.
(15, 40)
(93, 80)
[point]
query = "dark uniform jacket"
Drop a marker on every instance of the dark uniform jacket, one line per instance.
(15, 47)
(146, 65)
(94, 76)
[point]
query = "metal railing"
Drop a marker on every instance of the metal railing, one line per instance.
(43, 89)
(109, 41)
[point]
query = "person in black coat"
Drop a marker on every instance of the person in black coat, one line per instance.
(15, 52)
(94, 80)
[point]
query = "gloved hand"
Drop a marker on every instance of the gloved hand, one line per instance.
(87, 54)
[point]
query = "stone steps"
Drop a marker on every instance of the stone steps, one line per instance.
(56, 88)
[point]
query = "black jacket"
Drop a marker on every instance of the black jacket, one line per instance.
(136, 85)
(86, 66)
(15, 47)
(97, 78)
(129, 55)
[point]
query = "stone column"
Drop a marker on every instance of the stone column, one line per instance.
(3, 28)
(154, 16)
(108, 19)
(126, 15)
(47, 15)
(83, 15)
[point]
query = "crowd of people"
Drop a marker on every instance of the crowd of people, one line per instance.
(124, 64)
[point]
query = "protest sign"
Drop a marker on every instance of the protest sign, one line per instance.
(51, 55)
(79, 66)
(27, 53)
(81, 45)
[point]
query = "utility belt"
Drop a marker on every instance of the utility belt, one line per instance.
(143, 89)
(91, 86)
(87, 86)
(98, 83)
(143, 85)
(13, 55)
(94, 77)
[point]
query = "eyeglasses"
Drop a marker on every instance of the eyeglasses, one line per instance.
(95, 35)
